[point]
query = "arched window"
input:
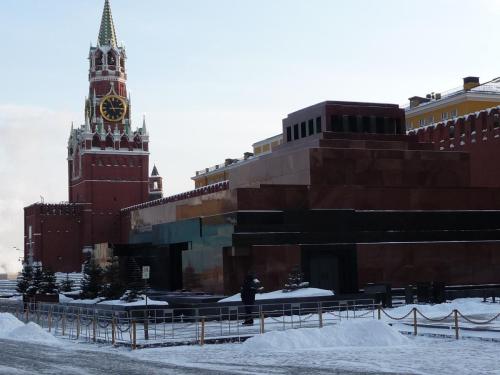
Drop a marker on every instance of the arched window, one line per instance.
(96, 140)
(111, 58)
(109, 141)
(124, 142)
(98, 60)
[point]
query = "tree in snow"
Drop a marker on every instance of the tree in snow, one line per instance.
(92, 280)
(26, 279)
(66, 285)
(295, 280)
(48, 284)
(135, 285)
(113, 286)
(37, 281)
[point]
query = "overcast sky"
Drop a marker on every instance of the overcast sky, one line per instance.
(215, 76)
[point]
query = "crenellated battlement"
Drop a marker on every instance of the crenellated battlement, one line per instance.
(475, 128)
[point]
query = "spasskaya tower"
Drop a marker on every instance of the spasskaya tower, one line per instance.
(108, 162)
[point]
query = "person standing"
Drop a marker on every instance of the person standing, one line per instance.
(251, 285)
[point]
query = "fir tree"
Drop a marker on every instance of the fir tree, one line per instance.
(48, 284)
(37, 281)
(135, 285)
(26, 279)
(295, 280)
(66, 285)
(92, 280)
(113, 286)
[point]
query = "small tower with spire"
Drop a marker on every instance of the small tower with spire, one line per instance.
(155, 185)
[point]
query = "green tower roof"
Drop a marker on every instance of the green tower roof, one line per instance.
(107, 34)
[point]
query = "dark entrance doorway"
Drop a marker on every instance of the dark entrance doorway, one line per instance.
(332, 267)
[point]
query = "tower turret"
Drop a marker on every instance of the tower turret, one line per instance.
(155, 185)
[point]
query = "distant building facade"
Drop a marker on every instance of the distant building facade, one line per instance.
(440, 107)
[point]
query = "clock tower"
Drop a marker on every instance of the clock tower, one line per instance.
(107, 161)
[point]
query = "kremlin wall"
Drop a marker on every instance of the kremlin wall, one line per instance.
(344, 191)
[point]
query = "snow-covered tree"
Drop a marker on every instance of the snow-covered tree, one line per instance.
(66, 285)
(113, 286)
(26, 279)
(295, 280)
(92, 280)
(37, 281)
(135, 285)
(48, 284)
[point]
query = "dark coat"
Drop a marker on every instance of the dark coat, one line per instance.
(250, 286)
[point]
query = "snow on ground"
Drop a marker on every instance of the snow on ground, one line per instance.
(13, 329)
(277, 294)
(355, 351)
(349, 333)
(116, 302)
(467, 306)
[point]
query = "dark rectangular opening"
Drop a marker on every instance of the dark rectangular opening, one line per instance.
(289, 134)
(379, 125)
(303, 132)
(318, 124)
(310, 125)
(366, 124)
(337, 125)
(296, 131)
(352, 123)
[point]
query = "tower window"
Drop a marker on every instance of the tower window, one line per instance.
(111, 58)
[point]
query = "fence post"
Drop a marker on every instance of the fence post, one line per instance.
(49, 320)
(134, 335)
(261, 322)
(415, 321)
(146, 325)
(77, 326)
(379, 311)
(113, 331)
(320, 316)
(202, 334)
(94, 328)
(62, 323)
(455, 312)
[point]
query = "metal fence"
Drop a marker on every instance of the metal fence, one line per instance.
(166, 326)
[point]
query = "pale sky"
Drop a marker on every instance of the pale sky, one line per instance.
(215, 76)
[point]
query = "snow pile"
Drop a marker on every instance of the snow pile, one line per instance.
(32, 332)
(362, 333)
(278, 294)
(140, 302)
(13, 329)
(8, 322)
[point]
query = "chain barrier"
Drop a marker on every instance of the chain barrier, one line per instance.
(478, 322)
(434, 319)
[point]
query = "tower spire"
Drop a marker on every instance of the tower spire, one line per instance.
(107, 34)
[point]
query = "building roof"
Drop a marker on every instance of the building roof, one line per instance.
(488, 90)
(107, 34)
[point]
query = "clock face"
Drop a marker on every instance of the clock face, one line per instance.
(113, 108)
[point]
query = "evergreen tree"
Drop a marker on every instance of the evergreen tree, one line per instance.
(135, 285)
(295, 280)
(66, 285)
(113, 285)
(48, 284)
(37, 281)
(26, 279)
(92, 280)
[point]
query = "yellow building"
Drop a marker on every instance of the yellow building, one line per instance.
(267, 145)
(219, 172)
(439, 107)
